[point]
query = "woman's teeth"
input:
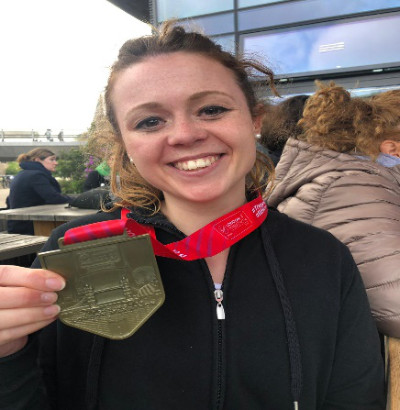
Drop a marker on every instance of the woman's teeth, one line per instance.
(196, 164)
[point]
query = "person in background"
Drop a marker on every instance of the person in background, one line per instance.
(48, 135)
(34, 185)
(261, 311)
(343, 175)
(280, 123)
(99, 177)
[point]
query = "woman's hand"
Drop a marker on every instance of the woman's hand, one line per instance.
(27, 304)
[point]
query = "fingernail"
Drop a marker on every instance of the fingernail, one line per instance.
(51, 310)
(55, 284)
(48, 297)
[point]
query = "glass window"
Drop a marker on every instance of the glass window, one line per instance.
(226, 42)
(290, 12)
(187, 8)
(370, 91)
(356, 5)
(334, 47)
(249, 3)
(212, 25)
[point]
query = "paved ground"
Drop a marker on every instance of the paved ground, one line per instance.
(3, 196)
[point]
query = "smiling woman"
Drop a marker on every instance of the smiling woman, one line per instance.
(260, 311)
(196, 147)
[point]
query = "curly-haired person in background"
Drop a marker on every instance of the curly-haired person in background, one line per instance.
(343, 175)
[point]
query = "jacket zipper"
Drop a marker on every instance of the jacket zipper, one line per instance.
(219, 296)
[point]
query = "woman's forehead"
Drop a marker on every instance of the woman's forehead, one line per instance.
(173, 73)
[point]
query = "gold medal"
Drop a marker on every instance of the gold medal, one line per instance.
(113, 285)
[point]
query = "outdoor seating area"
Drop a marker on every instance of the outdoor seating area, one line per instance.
(45, 217)
(16, 245)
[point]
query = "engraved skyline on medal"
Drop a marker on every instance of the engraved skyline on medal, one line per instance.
(113, 284)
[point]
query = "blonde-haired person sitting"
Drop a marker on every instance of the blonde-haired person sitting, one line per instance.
(343, 175)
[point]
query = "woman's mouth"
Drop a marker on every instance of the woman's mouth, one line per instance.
(194, 164)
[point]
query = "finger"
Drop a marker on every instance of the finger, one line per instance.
(12, 297)
(10, 318)
(39, 279)
(14, 333)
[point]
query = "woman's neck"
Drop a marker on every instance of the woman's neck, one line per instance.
(189, 217)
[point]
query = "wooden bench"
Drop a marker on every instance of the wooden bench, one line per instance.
(15, 245)
(393, 350)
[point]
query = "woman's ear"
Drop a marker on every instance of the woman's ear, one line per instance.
(258, 118)
(390, 147)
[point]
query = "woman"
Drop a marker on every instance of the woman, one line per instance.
(33, 186)
(245, 323)
(344, 176)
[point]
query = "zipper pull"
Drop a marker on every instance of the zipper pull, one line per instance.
(219, 297)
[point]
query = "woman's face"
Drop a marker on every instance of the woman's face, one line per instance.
(187, 126)
(50, 163)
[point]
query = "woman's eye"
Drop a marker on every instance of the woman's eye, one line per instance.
(213, 110)
(149, 123)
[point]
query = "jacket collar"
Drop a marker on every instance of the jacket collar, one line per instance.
(33, 166)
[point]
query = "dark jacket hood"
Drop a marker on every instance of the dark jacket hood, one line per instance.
(33, 166)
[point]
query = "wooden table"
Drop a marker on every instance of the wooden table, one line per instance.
(45, 217)
(13, 245)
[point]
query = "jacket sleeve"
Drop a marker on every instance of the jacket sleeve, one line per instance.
(365, 217)
(45, 190)
(21, 384)
(357, 381)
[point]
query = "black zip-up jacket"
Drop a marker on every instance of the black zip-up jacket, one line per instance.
(297, 327)
(32, 186)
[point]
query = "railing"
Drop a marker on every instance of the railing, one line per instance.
(34, 136)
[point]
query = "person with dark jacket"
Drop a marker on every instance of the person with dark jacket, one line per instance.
(260, 311)
(34, 185)
(98, 177)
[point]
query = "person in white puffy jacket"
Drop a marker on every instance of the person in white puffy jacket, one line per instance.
(343, 175)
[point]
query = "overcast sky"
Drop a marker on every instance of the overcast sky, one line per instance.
(54, 59)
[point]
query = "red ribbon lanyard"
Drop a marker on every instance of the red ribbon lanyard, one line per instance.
(207, 241)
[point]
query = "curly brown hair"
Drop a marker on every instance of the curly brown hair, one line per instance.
(132, 189)
(334, 120)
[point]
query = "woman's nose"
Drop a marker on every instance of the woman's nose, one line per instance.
(186, 131)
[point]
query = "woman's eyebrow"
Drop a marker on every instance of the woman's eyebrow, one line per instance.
(149, 105)
(207, 93)
(194, 97)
